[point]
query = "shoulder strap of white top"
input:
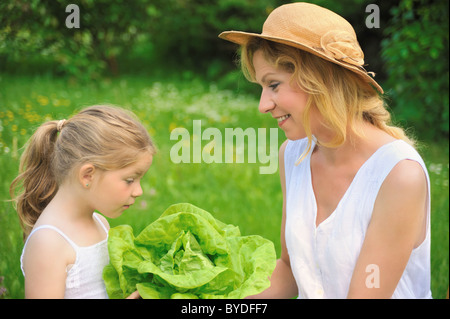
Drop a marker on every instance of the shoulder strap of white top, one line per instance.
(101, 223)
(74, 246)
(55, 229)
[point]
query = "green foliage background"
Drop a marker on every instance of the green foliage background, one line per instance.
(415, 52)
(409, 51)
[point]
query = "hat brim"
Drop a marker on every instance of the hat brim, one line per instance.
(241, 38)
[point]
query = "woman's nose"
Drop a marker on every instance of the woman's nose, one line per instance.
(266, 104)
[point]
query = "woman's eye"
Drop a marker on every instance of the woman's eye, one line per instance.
(273, 86)
(129, 181)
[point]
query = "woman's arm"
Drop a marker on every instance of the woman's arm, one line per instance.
(282, 282)
(397, 226)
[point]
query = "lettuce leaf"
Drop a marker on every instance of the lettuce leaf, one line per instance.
(187, 253)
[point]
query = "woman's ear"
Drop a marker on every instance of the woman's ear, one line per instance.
(86, 175)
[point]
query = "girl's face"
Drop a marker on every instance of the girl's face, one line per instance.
(285, 101)
(115, 191)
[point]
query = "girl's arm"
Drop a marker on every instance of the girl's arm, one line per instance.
(282, 282)
(397, 226)
(45, 261)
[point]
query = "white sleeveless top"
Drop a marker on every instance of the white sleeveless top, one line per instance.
(84, 280)
(323, 258)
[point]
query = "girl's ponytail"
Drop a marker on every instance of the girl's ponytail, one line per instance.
(36, 185)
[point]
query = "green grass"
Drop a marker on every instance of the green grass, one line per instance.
(233, 193)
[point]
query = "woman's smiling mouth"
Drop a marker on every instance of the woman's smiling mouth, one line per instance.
(282, 119)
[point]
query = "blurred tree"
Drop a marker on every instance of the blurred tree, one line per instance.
(415, 52)
(183, 32)
(186, 31)
(172, 35)
(38, 27)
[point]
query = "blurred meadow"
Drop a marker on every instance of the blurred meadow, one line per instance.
(134, 55)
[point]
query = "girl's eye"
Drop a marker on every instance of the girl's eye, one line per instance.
(129, 181)
(274, 86)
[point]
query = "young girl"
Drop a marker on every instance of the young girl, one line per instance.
(69, 169)
(356, 198)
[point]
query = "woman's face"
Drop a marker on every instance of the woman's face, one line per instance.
(284, 100)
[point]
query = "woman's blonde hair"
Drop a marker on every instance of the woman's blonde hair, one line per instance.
(105, 136)
(341, 96)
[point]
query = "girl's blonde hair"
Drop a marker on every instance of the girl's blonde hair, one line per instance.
(341, 96)
(107, 137)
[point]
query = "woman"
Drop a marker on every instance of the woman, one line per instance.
(356, 201)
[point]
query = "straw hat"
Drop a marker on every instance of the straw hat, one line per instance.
(314, 29)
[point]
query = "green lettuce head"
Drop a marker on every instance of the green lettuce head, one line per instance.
(187, 253)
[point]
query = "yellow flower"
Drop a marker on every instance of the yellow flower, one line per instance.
(14, 128)
(10, 115)
(172, 126)
(42, 100)
(151, 131)
(36, 118)
(225, 119)
(65, 102)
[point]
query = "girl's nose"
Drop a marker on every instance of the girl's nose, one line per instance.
(266, 104)
(137, 191)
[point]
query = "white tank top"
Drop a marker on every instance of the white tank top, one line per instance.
(84, 280)
(323, 258)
